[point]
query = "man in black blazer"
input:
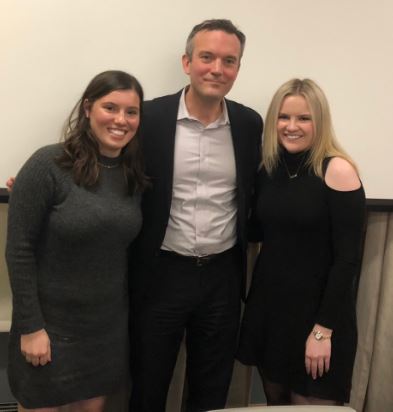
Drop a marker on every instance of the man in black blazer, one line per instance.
(189, 263)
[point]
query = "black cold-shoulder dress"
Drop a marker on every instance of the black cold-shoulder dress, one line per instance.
(306, 273)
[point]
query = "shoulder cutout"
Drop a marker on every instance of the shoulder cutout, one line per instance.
(341, 175)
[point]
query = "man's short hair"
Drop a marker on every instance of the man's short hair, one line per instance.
(215, 24)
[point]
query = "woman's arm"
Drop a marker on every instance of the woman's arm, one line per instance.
(347, 213)
(30, 203)
(346, 201)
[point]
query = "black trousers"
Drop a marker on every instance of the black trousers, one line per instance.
(201, 298)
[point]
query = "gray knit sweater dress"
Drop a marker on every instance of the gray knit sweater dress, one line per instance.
(67, 260)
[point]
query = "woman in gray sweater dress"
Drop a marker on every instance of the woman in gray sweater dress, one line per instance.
(74, 209)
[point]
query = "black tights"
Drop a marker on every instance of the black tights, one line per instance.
(281, 394)
(276, 393)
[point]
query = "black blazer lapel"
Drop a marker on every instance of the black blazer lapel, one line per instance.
(246, 130)
(159, 134)
(235, 131)
(235, 119)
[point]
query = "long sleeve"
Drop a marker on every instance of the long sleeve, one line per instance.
(29, 207)
(347, 217)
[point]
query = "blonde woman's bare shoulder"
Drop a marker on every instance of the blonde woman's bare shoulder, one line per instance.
(341, 175)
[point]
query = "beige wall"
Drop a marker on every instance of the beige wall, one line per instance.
(50, 50)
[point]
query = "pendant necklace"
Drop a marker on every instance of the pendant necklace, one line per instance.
(293, 175)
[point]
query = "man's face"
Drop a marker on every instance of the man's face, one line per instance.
(214, 65)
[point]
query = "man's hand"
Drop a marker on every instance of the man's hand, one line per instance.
(35, 347)
(9, 183)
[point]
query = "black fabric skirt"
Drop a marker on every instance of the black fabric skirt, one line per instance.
(273, 335)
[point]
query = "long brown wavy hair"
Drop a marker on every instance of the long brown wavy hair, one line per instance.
(81, 149)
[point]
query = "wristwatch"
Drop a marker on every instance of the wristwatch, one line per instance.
(318, 335)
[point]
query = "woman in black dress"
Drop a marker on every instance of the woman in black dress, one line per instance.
(299, 325)
(74, 209)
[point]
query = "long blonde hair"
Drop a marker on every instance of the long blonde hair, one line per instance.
(324, 144)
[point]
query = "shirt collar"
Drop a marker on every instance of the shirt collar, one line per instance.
(183, 113)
